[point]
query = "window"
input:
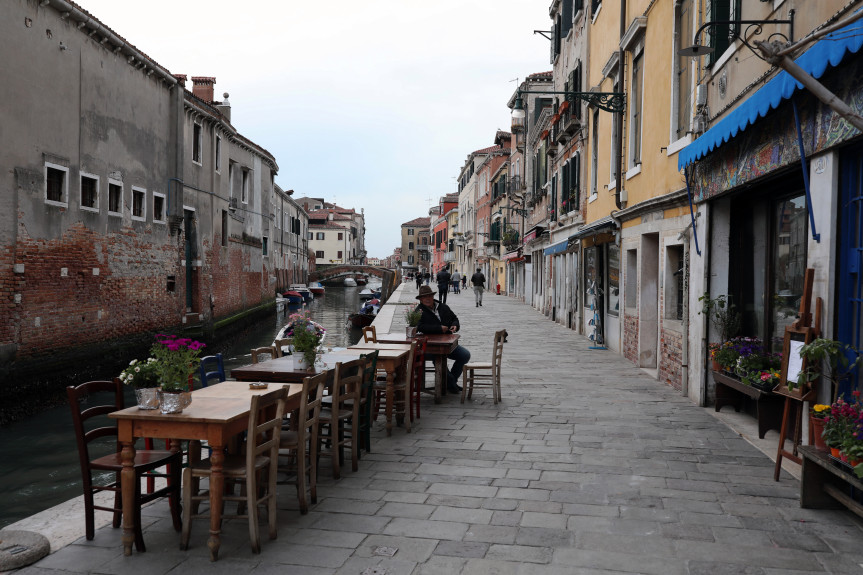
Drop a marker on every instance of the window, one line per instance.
(594, 152)
(224, 228)
(159, 207)
(613, 158)
(197, 143)
(139, 205)
(265, 246)
(683, 69)
(720, 38)
(410, 231)
(310, 236)
(218, 153)
(613, 259)
(631, 293)
(89, 192)
(230, 179)
(115, 197)
(595, 6)
(319, 254)
(410, 259)
(319, 236)
(635, 118)
(56, 184)
(675, 273)
(341, 236)
(410, 245)
(245, 189)
(339, 255)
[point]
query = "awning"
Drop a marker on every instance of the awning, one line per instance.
(600, 226)
(513, 258)
(556, 248)
(829, 50)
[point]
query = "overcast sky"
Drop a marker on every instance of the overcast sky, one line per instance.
(372, 104)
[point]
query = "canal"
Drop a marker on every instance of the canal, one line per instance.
(38, 456)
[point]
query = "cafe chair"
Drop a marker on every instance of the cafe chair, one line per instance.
(417, 377)
(212, 368)
(300, 444)
(255, 471)
(343, 410)
(260, 353)
(367, 400)
(370, 335)
(82, 402)
(401, 388)
(482, 374)
(282, 344)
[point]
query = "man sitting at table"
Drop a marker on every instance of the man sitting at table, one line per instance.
(437, 317)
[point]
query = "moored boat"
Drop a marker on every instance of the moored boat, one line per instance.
(303, 291)
(361, 280)
(361, 319)
(367, 294)
(293, 297)
(287, 328)
(316, 288)
(350, 282)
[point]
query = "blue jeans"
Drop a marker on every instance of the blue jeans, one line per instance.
(460, 356)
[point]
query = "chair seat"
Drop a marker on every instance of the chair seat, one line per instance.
(327, 415)
(233, 466)
(479, 365)
(144, 459)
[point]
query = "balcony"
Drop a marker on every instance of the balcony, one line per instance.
(423, 248)
(514, 185)
(449, 257)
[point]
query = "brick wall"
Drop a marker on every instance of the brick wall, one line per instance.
(630, 337)
(671, 358)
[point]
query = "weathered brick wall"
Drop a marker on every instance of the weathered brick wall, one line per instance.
(671, 358)
(630, 337)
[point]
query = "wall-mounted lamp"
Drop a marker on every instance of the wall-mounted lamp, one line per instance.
(522, 212)
(608, 101)
(753, 28)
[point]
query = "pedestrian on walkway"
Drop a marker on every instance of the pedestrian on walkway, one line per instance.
(456, 282)
(419, 278)
(464, 281)
(443, 279)
(437, 317)
(427, 277)
(478, 281)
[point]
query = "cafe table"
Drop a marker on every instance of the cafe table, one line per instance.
(438, 345)
(393, 360)
(217, 414)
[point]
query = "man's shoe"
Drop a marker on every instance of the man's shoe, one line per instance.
(453, 389)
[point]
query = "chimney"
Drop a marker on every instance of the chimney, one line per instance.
(202, 87)
(181, 79)
(225, 108)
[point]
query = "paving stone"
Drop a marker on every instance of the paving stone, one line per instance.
(447, 530)
(491, 534)
(550, 520)
(409, 510)
(465, 549)
(519, 554)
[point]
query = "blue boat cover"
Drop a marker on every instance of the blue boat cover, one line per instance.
(828, 51)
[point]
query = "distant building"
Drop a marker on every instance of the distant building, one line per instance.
(414, 250)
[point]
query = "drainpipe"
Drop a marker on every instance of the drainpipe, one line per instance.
(684, 354)
(618, 145)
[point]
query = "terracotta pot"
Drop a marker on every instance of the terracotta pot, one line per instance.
(716, 365)
(816, 424)
(834, 451)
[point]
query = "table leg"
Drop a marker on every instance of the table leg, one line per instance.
(439, 368)
(217, 486)
(405, 374)
(391, 396)
(127, 485)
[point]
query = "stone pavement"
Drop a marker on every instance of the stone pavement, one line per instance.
(589, 466)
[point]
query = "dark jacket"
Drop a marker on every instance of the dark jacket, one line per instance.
(478, 279)
(429, 323)
(443, 277)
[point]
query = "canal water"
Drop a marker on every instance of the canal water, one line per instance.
(39, 458)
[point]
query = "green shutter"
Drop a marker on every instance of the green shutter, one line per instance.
(719, 10)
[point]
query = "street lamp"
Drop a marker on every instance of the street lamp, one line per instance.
(608, 101)
(753, 28)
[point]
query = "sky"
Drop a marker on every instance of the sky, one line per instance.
(370, 104)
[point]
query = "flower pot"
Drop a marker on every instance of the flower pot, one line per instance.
(174, 401)
(816, 424)
(716, 365)
(148, 397)
(834, 451)
(300, 362)
(411, 331)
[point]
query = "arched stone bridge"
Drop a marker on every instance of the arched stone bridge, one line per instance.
(331, 273)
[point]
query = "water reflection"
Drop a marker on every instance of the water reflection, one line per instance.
(38, 457)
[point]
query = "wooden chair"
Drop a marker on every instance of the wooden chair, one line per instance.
(255, 471)
(489, 375)
(283, 343)
(370, 335)
(146, 461)
(367, 399)
(401, 388)
(344, 409)
(212, 368)
(418, 368)
(301, 443)
(259, 352)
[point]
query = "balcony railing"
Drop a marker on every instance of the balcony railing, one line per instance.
(515, 184)
(449, 257)
(423, 248)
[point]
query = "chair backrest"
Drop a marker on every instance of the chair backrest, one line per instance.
(310, 406)
(283, 343)
(265, 426)
(212, 368)
(419, 359)
(369, 375)
(79, 398)
(410, 372)
(370, 334)
(259, 352)
(497, 351)
(347, 382)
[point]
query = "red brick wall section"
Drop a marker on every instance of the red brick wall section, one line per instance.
(671, 358)
(630, 337)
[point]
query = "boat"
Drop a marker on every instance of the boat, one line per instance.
(361, 280)
(303, 291)
(316, 288)
(360, 320)
(293, 297)
(350, 282)
(367, 294)
(287, 328)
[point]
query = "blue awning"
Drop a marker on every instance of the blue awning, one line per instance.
(829, 50)
(556, 248)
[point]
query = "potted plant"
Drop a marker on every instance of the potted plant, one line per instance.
(832, 355)
(143, 376)
(817, 417)
(726, 356)
(176, 360)
(412, 319)
(839, 425)
(722, 314)
(306, 336)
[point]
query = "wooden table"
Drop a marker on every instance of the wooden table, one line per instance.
(217, 413)
(439, 346)
(768, 406)
(394, 362)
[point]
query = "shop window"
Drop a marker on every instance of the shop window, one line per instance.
(674, 282)
(613, 254)
(789, 228)
(631, 295)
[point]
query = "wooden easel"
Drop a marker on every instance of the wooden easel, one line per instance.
(801, 331)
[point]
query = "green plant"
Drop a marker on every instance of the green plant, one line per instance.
(413, 316)
(141, 374)
(306, 336)
(722, 313)
(176, 359)
(820, 411)
(832, 354)
(842, 422)
(726, 355)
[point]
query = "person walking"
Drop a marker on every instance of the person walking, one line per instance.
(443, 279)
(478, 281)
(456, 282)
(437, 317)
(427, 277)
(419, 279)
(464, 281)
